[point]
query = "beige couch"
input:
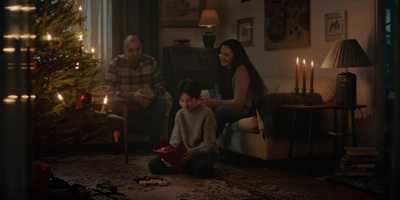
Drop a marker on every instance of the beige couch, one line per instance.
(245, 136)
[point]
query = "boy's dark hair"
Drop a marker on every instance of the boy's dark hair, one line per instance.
(191, 87)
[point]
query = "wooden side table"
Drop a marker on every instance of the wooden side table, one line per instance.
(310, 110)
(354, 133)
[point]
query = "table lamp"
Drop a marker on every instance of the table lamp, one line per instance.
(344, 54)
(209, 18)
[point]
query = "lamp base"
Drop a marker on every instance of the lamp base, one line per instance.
(209, 40)
(346, 84)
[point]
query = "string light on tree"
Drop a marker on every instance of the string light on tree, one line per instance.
(61, 99)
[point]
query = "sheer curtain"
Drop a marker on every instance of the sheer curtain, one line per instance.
(99, 24)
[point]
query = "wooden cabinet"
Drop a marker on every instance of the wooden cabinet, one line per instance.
(189, 63)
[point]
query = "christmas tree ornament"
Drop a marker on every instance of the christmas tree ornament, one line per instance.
(86, 98)
(116, 134)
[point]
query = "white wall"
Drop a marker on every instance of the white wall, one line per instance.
(281, 63)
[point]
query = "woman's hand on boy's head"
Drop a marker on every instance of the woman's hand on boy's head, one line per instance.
(211, 103)
(187, 156)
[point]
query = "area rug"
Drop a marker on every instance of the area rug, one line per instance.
(228, 183)
(371, 184)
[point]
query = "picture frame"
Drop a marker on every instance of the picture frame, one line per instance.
(178, 13)
(245, 31)
(335, 26)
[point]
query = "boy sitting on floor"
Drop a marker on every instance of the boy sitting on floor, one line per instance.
(195, 126)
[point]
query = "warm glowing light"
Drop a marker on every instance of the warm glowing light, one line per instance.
(80, 8)
(77, 65)
(92, 50)
(48, 37)
(12, 96)
(13, 8)
(28, 8)
(59, 96)
(80, 37)
(312, 63)
(8, 100)
(304, 61)
(105, 100)
(297, 60)
(9, 50)
(104, 104)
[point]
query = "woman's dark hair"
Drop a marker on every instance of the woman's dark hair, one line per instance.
(191, 87)
(239, 58)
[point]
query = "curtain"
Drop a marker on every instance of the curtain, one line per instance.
(98, 23)
(109, 22)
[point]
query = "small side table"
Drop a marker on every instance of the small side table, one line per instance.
(310, 110)
(354, 133)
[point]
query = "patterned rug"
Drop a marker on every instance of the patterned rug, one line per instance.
(228, 183)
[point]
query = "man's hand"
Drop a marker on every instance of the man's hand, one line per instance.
(142, 99)
(187, 156)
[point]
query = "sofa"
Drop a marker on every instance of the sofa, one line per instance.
(266, 136)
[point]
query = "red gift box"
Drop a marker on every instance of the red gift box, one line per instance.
(171, 154)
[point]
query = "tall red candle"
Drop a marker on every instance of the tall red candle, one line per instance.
(312, 75)
(304, 73)
(297, 72)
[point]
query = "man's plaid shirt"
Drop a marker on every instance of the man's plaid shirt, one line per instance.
(124, 80)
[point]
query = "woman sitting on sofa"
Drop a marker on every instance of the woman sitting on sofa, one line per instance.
(238, 83)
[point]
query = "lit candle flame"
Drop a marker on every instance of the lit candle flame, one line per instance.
(297, 60)
(304, 61)
(80, 37)
(80, 8)
(105, 100)
(92, 50)
(312, 63)
(48, 37)
(59, 96)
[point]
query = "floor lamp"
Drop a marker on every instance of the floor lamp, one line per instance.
(209, 18)
(344, 54)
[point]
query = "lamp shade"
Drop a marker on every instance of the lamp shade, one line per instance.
(209, 18)
(346, 53)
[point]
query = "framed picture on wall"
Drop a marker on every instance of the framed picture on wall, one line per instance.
(335, 26)
(180, 13)
(245, 31)
(286, 24)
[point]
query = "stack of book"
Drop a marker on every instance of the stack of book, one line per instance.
(358, 161)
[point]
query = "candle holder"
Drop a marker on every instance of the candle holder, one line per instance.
(306, 98)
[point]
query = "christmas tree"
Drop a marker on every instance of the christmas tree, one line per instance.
(65, 75)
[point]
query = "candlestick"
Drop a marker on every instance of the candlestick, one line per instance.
(304, 73)
(104, 104)
(312, 76)
(297, 73)
(61, 99)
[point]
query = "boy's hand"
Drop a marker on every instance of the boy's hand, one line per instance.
(166, 163)
(187, 156)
